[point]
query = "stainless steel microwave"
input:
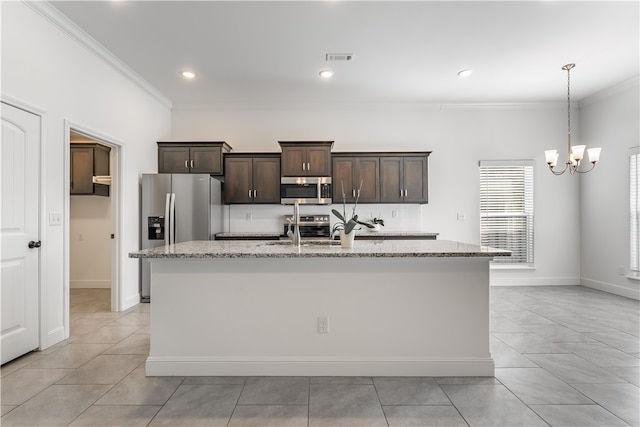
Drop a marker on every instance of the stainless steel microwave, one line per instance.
(306, 190)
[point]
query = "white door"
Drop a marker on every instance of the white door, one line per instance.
(19, 264)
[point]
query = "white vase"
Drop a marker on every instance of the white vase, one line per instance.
(346, 240)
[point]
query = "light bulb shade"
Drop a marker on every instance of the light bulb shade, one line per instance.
(594, 154)
(577, 151)
(551, 157)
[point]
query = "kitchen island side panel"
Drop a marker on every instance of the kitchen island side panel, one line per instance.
(387, 316)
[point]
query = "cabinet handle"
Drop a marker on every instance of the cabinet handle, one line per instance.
(303, 166)
(405, 192)
(353, 192)
(358, 193)
(401, 192)
(186, 164)
(308, 167)
(249, 193)
(191, 164)
(255, 193)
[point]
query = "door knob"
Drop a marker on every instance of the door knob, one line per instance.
(33, 244)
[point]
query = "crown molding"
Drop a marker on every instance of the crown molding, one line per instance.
(363, 106)
(71, 29)
(624, 86)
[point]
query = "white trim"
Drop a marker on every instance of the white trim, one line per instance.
(67, 26)
(612, 288)
(533, 281)
(90, 284)
(613, 90)
(116, 208)
(410, 106)
(317, 366)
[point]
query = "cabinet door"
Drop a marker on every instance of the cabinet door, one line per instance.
(81, 170)
(266, 180)
(237, 180)
(173, 159)
(318, 161)
(367, 172)
(206, 160)
(293, 159)
(343, 173)
(415, 180)
(391, 185)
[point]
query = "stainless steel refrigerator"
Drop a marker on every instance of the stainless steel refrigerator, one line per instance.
(177, 208)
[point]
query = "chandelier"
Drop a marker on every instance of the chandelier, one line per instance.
(575, 153)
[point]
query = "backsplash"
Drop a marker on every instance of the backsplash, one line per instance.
(268, 218)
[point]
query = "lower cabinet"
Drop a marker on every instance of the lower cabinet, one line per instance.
(87, 161)
(251, 178)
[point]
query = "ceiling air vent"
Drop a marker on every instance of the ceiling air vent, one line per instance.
(339, 56)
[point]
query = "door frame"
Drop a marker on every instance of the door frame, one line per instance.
(43, 335)
(115, 160)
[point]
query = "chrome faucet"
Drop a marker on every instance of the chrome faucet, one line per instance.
(295, 234)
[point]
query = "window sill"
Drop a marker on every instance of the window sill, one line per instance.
(634, 276)
(499, 266)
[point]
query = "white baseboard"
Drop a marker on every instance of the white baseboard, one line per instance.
(130, 302)
(90, 284)
(613, 289)
(534, 281)
(294, 366)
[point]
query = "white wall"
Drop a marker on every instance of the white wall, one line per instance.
(44, 67)
(458, 136)
(609, 120)
(90, 242)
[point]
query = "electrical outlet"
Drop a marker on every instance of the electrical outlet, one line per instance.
(621, 270)
(461, 216)
(249, 217)
(323, 325)
(394, 213)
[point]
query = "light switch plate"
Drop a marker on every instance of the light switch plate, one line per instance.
(55, 218)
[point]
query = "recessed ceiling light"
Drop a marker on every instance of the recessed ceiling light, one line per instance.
(188, 74)
(326, 73)
(465, 73)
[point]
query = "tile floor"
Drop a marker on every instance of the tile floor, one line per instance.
(565, 356)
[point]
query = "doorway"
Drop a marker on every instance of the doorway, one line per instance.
(93, 220)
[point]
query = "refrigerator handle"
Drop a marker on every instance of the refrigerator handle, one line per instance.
(167, 203)
(172, 219)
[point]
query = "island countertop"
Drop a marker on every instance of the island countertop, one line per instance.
(318, 249)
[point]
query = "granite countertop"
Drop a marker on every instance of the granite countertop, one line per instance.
(318, 249)
(364, 233)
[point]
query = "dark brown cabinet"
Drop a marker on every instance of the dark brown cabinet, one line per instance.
(350, 171)
(403, 178)
(192, 157)
(87, 161)
(252, 178)
(306, 158)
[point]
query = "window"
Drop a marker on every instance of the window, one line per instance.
(506, 209)
(634, 212)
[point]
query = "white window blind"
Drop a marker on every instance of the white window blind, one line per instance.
(634, 211)
(506, 208)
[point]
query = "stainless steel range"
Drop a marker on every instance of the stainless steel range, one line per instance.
(311, 226)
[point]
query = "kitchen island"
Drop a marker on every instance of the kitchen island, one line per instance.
(384, 308)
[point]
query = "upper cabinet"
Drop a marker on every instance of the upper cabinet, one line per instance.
(403, 178)
(252, 178)
(89, 160)
(192, 157)
(306, 158)
(356, 175)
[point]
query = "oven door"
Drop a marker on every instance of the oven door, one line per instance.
(305, 190)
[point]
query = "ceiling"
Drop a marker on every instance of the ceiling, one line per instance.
(270, 53)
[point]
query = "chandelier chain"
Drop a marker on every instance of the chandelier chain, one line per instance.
(569, 100)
